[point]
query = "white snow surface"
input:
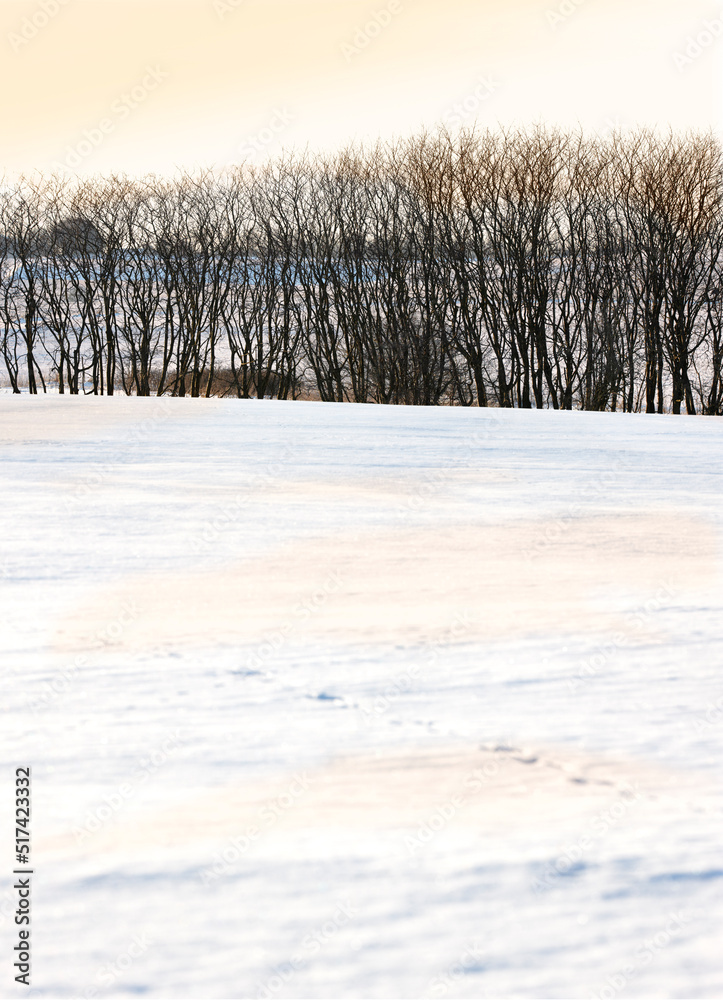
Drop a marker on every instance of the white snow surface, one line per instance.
(350, 701)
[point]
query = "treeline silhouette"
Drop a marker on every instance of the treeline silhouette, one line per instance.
(531, 268)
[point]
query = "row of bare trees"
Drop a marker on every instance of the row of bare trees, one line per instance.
(531, 269)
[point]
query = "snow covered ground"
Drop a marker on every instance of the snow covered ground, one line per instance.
(345, 701)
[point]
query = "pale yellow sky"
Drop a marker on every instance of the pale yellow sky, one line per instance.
(137, 85)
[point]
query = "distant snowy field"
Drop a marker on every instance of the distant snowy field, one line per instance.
(345, 701)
